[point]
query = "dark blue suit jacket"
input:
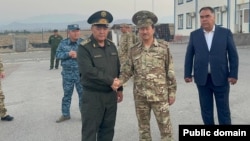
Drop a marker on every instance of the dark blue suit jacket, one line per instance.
(223, 57)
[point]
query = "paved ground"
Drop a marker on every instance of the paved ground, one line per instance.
(33, 96)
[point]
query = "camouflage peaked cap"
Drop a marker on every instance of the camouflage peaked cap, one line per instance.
(124, 25)
(144, 18)
(100, 18)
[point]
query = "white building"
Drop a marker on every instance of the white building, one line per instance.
(232, 14)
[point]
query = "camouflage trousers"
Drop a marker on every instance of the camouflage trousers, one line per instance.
(2, 107)
(71, 79)
(161, 112)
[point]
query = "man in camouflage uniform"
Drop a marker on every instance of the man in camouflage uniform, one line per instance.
(3, 110)
(132, 34)
(54, 41)
(127, 40)
(67, 53)
(151, 64)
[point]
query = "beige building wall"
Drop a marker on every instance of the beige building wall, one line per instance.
(183, 9)
(232, 14)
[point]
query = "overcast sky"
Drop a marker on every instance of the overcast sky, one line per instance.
(14, 10)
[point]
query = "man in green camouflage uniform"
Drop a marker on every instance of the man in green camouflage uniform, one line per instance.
(132, 34)
(127, 40)
(54, 41)
(3, 110)
(151, 64)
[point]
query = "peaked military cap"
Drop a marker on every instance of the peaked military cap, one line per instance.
(100, 18)
(55, 30)
(144, 18)
(73, 27)
(124, 25)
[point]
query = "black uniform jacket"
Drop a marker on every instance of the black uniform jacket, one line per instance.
(98, 66)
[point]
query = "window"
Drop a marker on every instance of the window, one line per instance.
(180, 1)
(188, 21)
(218, 16)
(188, 0)
(246, 15)
(180, 21)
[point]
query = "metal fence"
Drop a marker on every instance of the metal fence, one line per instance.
(34, 39)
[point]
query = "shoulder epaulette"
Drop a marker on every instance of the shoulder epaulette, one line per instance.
(64, 40)
(162, 41)
(110, 41)
(84, 42)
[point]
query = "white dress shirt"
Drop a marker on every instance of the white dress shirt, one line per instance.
(209, 37)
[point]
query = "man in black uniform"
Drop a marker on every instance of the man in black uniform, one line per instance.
(99, 65)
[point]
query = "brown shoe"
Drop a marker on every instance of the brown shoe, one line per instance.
(62, 118)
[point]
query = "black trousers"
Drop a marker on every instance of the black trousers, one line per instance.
(98, 115)
(220, 94)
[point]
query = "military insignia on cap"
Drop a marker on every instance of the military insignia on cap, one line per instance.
(100, 17)
(103, 21)
(103, 14)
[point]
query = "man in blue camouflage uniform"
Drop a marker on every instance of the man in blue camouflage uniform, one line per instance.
(67, 53)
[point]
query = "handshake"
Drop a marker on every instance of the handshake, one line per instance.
(116, 84)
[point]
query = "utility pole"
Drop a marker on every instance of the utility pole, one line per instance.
(152, 5)
(249, 17)
(134, 6)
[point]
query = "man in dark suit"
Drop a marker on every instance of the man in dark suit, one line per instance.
(212, 56)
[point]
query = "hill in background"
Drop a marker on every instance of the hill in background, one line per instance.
(59, 21)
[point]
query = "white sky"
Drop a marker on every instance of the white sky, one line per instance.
(13, 10)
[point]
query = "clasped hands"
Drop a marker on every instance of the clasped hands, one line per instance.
(116, 84)
(72, 54)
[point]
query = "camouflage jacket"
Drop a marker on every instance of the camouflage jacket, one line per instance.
(55, 40)
(62, 53)
(127, 40)
(153, 71)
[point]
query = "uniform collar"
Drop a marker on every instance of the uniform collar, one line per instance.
(70, 42)
(155, 43)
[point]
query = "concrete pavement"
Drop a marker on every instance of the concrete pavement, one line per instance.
(33, 96)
